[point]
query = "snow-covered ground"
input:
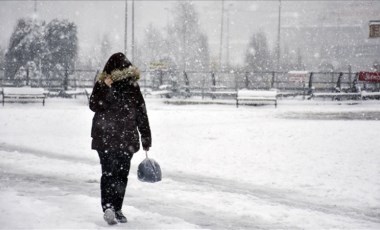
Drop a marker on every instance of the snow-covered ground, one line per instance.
(304, 165)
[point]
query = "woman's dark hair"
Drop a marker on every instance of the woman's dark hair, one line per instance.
(116, 61)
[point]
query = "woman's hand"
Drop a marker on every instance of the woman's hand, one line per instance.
(108, 81)
(146, 148)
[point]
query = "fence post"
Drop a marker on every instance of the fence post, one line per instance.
(96, 77)
(339, 82)
(187, 84)
(161, 77)
(236, 75)
(355, 85)
(203, 86)
(273, 79)
(311, 83)
(350, 75)
(145, 81)
(66, 80)
(213, 80)
(303, 89)
(76, 77)
(27, 75)
(246, 80)
(213, 85)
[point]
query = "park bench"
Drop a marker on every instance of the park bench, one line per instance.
(370, 78)
(88, 92)
(336, 95)
(163, 91)
(76, 92)
(340, 95)
(367, 95)
(256, 97)
(356, 92)
(296, 84)
(221, 92)
(23, 94)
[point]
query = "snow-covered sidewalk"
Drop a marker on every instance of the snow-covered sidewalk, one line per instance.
(301, 165)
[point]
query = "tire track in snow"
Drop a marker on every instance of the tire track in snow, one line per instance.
(188, 211)
(41, 153)
(280, 196)
(182, 210)
(288, 198)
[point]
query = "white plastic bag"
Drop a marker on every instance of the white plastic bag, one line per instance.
(149, 170)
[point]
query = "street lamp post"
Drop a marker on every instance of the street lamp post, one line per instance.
(185, 42)
(167, 19)
(221, 36)
(279, 36)
(133, 31)
(126, 29)
(35, 7)
(228, 37)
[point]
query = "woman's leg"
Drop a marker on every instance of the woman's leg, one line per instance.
(124, 165)
(108, 179)
(114, 180)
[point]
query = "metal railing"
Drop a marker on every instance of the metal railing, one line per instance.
(195, 83)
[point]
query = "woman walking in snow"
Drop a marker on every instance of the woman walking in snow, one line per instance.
(120, 114)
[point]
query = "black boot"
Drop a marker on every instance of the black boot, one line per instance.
(120, 217)
(109, 216)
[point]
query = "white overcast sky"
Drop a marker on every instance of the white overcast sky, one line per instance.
(95, 18)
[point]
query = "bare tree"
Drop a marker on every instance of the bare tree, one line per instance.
(105, 49)
(27, 44)
(153, 47)
(189, 44)
(258, 56)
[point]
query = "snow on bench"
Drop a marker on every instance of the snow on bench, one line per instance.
(164, 91)
(254, 96)
(215, 94)
(88, 91)
(369, 94)
(23, 94)
(339, 95)
(76, 92)
(220, 91)
(334, 95)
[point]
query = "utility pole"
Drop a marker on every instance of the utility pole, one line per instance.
(167, 20)
(126, 29)
(34, 15)
(279, 36)
(133, 31)
(185, 41)
(221, 36)
(228, 37)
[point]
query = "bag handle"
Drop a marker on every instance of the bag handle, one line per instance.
(146, 154)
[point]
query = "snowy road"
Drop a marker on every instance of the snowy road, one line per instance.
(49, 188)
(200, 212)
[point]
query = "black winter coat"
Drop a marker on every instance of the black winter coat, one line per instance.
(120, 113)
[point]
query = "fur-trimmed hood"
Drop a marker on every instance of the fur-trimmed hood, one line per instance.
(132, 73)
